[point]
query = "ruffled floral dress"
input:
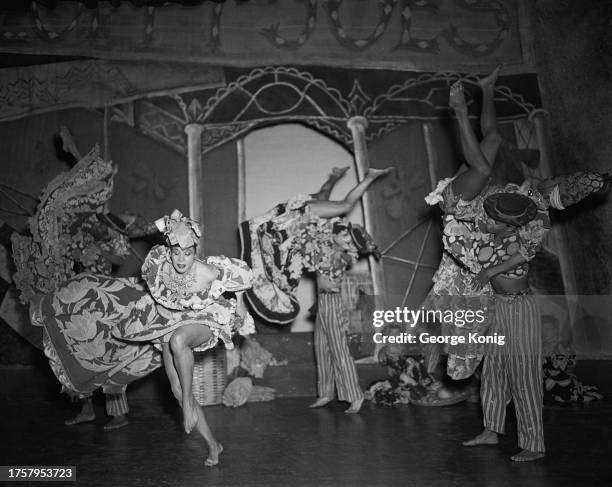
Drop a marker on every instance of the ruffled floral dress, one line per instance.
(167, 307)
(272, 248)
(102, 331)
(279, 246)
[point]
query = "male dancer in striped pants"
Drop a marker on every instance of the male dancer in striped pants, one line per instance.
(515, 373)
(331, 245)
(512, 371)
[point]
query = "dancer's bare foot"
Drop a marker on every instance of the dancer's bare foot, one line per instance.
(338, 172)
(490, 79)
(80, 418)
(116, 423)
(456, 99)
(487, 437)
(527, 456)
(354, 407)
(190, 415)
(86, 415)
(320, 402)
(376, 173)
(213, 455)
(68, 144)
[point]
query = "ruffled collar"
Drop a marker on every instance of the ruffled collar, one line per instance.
(176, 291)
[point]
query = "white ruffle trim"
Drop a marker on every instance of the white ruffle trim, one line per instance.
(435, 196)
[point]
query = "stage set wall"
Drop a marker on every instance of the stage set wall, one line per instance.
(572, 73)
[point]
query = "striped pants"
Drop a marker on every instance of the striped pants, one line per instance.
(116, 403)
(514, 371)
(334, 362)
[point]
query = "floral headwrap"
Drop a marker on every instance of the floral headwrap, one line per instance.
(179, 230)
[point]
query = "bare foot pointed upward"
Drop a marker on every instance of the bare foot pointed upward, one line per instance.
(338, 172)
(68, 144)
(456, 99)
(376, 173)
(490, 79)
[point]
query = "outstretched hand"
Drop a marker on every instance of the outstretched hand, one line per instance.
(481, 279)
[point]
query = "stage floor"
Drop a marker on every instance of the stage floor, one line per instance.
(283, 443)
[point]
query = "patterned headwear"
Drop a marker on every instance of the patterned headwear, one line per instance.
(511, 208)
(363, 240)
(179, 230)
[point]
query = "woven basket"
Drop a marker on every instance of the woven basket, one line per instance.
(209, 376)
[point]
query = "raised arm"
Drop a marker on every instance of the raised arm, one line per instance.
(331, 209)
(569, 189)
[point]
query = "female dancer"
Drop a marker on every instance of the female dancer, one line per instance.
(194, 314)
(99, 327)
(309, 233)
(71, 233)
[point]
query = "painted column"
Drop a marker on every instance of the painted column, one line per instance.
(357, 125)
(195, 173)
(538, 118)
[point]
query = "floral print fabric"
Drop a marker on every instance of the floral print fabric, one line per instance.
(79, 319)
(271, 247)
(159, 312)
(91, 319)
(320, 252)
(67, 236)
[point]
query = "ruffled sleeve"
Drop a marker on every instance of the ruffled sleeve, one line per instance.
(569, 189)
(235, 275)
(443, 194)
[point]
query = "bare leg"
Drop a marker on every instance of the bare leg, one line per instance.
(487, 437)
(189, 414)
(326, 189)
(175, 384)
(85, 415)
(330, 209)
(488, 118)
(214, 447)
(181, 343)
(469, 183)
